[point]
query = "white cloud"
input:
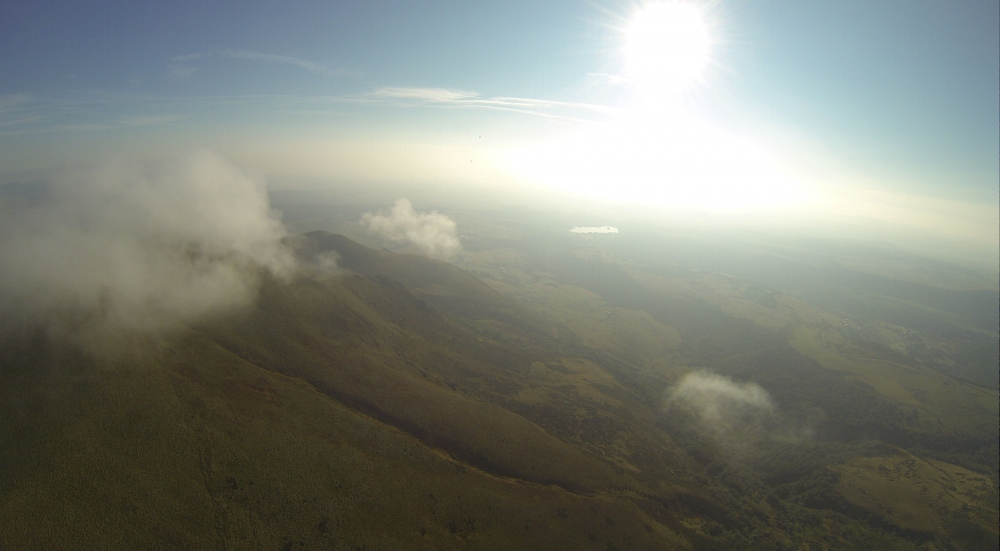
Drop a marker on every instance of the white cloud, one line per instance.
(432, 233)
(725, 407)
(130, 248)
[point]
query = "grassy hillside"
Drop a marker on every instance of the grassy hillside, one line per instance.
(406, 403)
(196, 448)
(836, 391)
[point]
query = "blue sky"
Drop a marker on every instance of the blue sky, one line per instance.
(899, 96)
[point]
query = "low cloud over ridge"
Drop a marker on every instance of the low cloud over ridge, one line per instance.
(432, 233)
(128, 248)
(723, 406)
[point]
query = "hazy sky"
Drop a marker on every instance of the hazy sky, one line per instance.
(885, 97)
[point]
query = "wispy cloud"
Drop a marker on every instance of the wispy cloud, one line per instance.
(21, 114)
(180, 72)
(556, 110)
(15, 109)
(82, 127)
(181, 68)
(13, 102)
(436, 95)
(188, 57)
(21, 120)
(146, 120)
(543, 103)
(311, 66)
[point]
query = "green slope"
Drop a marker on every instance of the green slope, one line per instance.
(405, 404)
(196, 448)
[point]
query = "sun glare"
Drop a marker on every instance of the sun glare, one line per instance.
(656, 151)
(671, 160)
(666, 45)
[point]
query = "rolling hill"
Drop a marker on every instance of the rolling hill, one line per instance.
(404, 403)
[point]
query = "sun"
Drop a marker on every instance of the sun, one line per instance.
(656, 152)
(666, 46)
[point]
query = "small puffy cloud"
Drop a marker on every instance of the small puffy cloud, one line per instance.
(724, 407)
(593, 229)
(432, 233)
